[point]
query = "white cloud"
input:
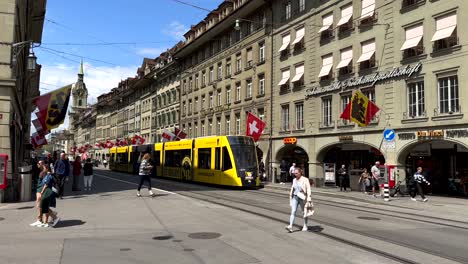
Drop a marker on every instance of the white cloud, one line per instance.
(98, 79)
(150, 52)
(176, 30)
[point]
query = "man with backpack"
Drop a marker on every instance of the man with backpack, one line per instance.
(62, 170)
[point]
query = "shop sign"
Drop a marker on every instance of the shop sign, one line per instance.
(406, 136)
(457, 133)
(430, 134)
(389, 145)
(329, 170)
(345, 138)
(290, 140)
(368, 80)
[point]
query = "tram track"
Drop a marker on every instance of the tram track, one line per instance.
(380, 213)
(247, 207)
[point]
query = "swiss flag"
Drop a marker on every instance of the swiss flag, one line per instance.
(167, 136)
(255, 126)
(137, 140)
(179, 134)
(109, 144)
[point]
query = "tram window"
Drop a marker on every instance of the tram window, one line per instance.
(122, 158)
(157, 158)
(226, 160)
(204, 158)
(171, 158)
(217, 158)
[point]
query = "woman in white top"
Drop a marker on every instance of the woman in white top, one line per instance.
(299, 195)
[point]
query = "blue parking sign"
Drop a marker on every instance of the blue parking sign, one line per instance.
(389, 134)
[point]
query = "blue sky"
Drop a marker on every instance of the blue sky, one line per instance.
(152, 26)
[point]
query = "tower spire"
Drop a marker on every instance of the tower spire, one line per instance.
(81, 72)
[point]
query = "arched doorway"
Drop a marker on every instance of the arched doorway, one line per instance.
(294, 154)
(354, 155)
(443, 162)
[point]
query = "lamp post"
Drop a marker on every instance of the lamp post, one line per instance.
(16, 49)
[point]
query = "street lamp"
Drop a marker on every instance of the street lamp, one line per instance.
(31, 60)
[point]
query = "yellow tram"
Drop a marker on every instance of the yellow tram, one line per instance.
(220, 160)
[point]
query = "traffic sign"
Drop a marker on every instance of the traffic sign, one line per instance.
(389, 134)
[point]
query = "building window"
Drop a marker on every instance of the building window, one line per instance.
(345, 99)
(368, 12)
(284, 51)
(367, 58)
(327, 64)
(346, 66)
(302, 5)
(195, 106)
(228, 125)
(284, 83)
(261, 84)
(228, 95)
(238, 91)
(203, 128)
(446, 32)
(298, 79)
(211, 76)
(249, 58)
(287, 10)
(203, 79)
(409, 3)
(203, 101)
(220, 71)
(448, 94)
(238, 124)
(300, 115)
(211, 101)
(218, 126)
(261, 113)
(190, 107)
(285, 118)
(190, 133)
(413, 43)
(298, 42)
(195, 131)
(261, 52)
(346, 22)
(228, 68)
(326, 112)
(326, 31)
(248, 90)
(196, 81)
(416, 107)
(220, 96)
(238, 63)
(210, 127)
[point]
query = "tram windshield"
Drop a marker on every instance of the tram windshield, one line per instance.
(243, 149)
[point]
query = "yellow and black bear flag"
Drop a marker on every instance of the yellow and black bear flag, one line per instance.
(360, 109)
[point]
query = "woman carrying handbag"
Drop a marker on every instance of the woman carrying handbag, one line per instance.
(300, 196)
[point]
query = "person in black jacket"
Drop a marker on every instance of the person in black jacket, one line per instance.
(88, 174)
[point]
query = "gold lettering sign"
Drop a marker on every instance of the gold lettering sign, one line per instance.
(345, 138)
(430, 133)
(290, 140)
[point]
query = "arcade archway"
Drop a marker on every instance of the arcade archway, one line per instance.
(443, 162)
(294, 154)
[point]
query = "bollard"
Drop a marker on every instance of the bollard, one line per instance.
(386, 193)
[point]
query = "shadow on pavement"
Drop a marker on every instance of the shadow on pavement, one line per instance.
(315, 228)
(67, 223)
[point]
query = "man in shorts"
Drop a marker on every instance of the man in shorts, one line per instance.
(375, 173)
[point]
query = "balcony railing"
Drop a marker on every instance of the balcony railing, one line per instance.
(327, 124)
(447, 111)
(411, 115)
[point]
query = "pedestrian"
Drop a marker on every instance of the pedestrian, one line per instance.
(104, 162)
(292, 170)
(464, 184)
(47, 200)
(261, 168)
(76, 174)
(62, 170)
(41, 167)
(88, 174)
(418, 182)
(342, 177)
(145, 173)
(375, 174)
(299, 195)
(364, 181)
(283, 171)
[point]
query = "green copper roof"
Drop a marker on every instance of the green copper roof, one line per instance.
(81, 68)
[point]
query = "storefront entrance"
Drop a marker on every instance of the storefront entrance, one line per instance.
(293, 154)
(443, 162)
(355, 157)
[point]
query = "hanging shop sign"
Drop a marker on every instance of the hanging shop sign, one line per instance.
(345, 138)
(329, 171)
(430, 134)
(457, 133)
(368, 80)
(406, 136)
(290, 140)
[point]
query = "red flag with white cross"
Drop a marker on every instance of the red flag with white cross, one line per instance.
(255, 126)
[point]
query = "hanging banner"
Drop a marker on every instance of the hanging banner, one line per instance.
(53, 107)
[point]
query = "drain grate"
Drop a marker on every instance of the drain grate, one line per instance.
(125, 249)
(189, 249)
(204, 235)
(177, 240)
(1, 218)
(24, 207)
(162, 237)
(368, 218)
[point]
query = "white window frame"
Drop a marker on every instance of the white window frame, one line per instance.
(416, 99)
(327, 119)
(452, 100)
(299, 115)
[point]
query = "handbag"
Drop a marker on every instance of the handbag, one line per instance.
(301, 195)
(310, 209)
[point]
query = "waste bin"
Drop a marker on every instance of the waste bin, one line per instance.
(25, 173)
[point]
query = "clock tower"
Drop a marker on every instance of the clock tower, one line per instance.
(79, 105)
